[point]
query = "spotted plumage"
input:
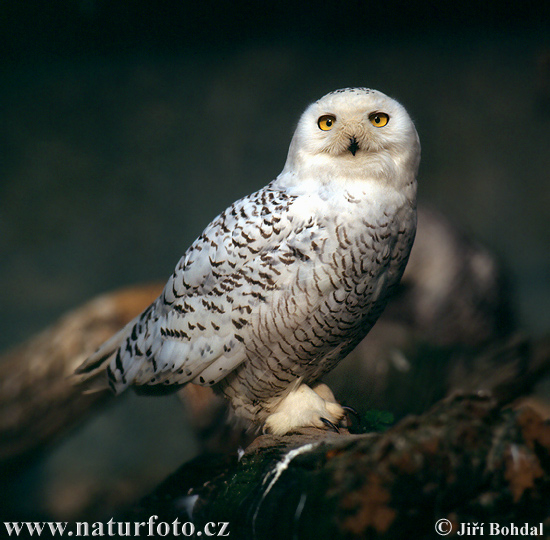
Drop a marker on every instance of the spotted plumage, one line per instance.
(286, 281)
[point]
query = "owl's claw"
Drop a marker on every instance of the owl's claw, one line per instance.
(330, 425)
(352, 411)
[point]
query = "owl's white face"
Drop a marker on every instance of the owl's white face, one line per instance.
(355, 133)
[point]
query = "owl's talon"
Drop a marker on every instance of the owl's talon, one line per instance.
(351, 410)
(330, 425)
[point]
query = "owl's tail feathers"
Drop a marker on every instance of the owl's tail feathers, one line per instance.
(92, 374)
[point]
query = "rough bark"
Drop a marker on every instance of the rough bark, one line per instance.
(466, 460)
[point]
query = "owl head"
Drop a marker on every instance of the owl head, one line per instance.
(355, 133)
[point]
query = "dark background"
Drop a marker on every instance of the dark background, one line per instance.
(127, 125)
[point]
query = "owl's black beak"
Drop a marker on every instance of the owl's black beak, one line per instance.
(353, 145)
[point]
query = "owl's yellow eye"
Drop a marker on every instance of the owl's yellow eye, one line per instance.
(379, 119)
(326, 122)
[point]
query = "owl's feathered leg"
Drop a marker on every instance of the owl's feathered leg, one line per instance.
(305, 407)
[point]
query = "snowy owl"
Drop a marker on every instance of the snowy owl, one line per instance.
(285, 282)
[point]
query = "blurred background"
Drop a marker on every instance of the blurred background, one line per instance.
(126, 126)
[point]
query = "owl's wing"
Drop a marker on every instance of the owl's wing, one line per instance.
(198, 328)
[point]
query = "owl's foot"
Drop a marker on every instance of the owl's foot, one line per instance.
(305, 407)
